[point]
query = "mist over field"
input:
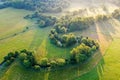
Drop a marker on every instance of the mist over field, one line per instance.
(93, 7)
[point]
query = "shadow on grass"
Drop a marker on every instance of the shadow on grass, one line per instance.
(95, 74)
(16, 70)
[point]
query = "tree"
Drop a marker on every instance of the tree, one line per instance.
(60, 61)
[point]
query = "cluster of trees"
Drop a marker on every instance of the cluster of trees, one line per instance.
(102, 17)
(70, 24)
(27, 59)
(116, 13)
(42, 20)
(10, 58)
(88, 42)
(16, 4)
(62, 29)
(70, 39)
(62, 41)
(81, 53)
(53, 6)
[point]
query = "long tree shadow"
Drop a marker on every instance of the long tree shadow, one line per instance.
(106, 29)
(95, 73)
(39, 36)
(74, 72)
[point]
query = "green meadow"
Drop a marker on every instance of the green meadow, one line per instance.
(108, 67)
(103, 65)
(14, 36)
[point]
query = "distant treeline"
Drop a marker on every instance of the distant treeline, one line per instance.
(42, 20)
(52, 6)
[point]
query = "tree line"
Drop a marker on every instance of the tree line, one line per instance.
(51, 6)
(41, 20)
(77, 56)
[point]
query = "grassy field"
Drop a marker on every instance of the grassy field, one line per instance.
(11, 22)
(109, 69)
(33, 39)
(36, 39)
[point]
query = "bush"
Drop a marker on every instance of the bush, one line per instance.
(60, 62)
(10, 54)
(80, 58)
(93, 48)
(6, 58)
(68, 39)
(36, 67)
(44, 62)
(27, 63)
(7, 63)
(53, 64)
(80, 53)
(16, 54)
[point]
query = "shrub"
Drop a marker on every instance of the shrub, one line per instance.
(60, 62)
(44, 62)
(36, 67)
(27, 63)
(53, 64)
(23, 51)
